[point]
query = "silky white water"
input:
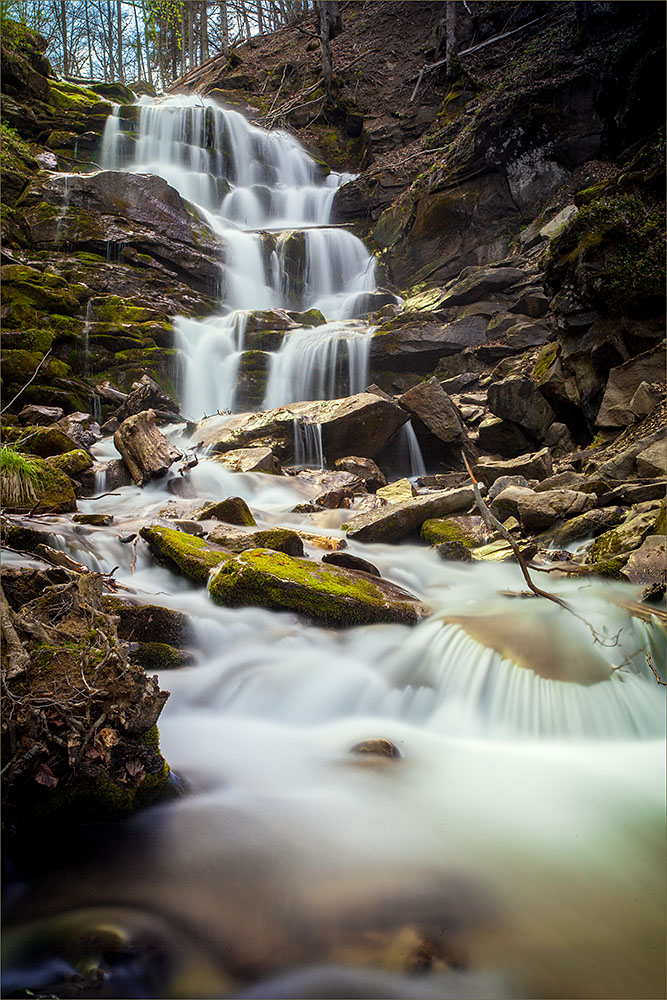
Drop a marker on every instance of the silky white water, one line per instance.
(518, 838)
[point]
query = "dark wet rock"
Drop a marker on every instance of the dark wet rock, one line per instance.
(232, 510)
(117, 475)
(159, 656)
(454, 552)
(364, 469)
(145, 450)
(149, 622)
(93, 520)
(329, 595)
(348, 561)
(518, 399)
(182, 487)
(416, 343)
(433, 408)
(392, 523)
(186, 555)
(536, 465)
(622, 384)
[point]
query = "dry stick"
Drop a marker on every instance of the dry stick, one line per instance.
(498, 38)
(31, 379)
(654, 671)
(278, 90)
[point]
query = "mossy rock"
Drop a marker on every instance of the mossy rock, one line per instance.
(232, 510)
(622, 539)
(47, 441)
(187, 555)
(280, 540)
(326, 594)
(74, 99)
(160, 656)
(437, 531)
(28, 293)
(545, 359)
(18, 366)
(52, 491)
(114, 309)
(73, 463)
(116, 92)
(94, 520)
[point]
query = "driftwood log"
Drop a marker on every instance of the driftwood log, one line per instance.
(145, 450)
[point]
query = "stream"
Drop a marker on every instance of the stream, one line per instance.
(513, 848)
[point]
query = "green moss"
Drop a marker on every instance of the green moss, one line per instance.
(45, 442)
(611, 567)
(158, 656)
(438, 530)
(69, 97)
(280, 540)
(545, 360)
(114, 309)
(72, 463)
(232, 510)
(660, 527)
(187, 555)
(324, 593)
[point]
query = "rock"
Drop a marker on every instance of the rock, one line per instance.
(648, 564)
(117, 474)
(40, 486)
(518, 399)
(394, 522)
(499, 551)
(624, 380)
(469, 531)
(480, 283)
(348, 561)
(454, 552)
(145, 450)
(237, 540)
(397, 492)
(558, 220)
(559, 440)
(327, 542)
(588, 525)
(444, 481)
(536, 465)
(232, 510)
(146, 395)
(250, 460)
(415, 343)
(645, 399)
(329, 595)
(149, 622)
(46, 441)
(537, 511)
(186, 555)
(502, 482)
(364, 468)
(40, 415)
(72, 463)
(182, 487)
(368, 420)
(652, 461)
(94, 520)
(159, 656)
(376, 748)
(622, 539)
(322, 480)
(506, 503)
(189, 527)
(431, 405)
(623, 461)
(81, 428)
(633, 493)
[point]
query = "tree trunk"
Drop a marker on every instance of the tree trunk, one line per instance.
(119, 12)
(63, 28)
(90, 47)
(450, 37)
(193, 35)
(204, 32)
(330, 26)
(145, 450)
(146, 45)
(260, 19)
(224, 28)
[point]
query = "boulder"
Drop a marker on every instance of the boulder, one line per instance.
(367, 419)
(40, 415)
(250, 460)
(232, 510)
(652, 461)
(624, 380)
(506, 503)
(502, 482)
(145, 450)
(416, 343)
(329, 595)
(538, 511)
(519, 399)
(93, 520)
(46, 441)
(186, 555)
(648, 564)
(81, 428)
(392, 523)
(623, 538)
(348, 561)
(454, 552)
(536, 465)
(146, 394)
(364, 468)
(149, 622)
(588, 525)
(431, 405)
(646, 397)
(469, 531)
(480, 283)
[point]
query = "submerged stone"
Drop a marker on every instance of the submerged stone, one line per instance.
(327, 594)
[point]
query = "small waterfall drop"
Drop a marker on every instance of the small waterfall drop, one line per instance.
(417, 466)
(112, 139)
(308, 450)
(271, 205)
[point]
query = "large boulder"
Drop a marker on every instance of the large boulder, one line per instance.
(394, 522)
(145, 450)
(536, 465)
(433, 409)
(538, 511)
(250, 460)
(416, 343)
(187, 555)
(519, 399)
(648, 564)
(368, 420)
(624, 380)
(329, 595)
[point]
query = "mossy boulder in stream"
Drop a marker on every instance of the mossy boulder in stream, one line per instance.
(186, 555)
(327, 594)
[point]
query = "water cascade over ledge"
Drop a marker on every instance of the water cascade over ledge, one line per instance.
(512, 846)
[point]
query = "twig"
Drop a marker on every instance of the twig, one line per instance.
(278, 90)
(654, 671)
(498, 38)
(102, 495)
(133, 560)
(31, 379)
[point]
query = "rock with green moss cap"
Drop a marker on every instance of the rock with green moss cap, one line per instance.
(159, 656)
(72, 463)
(237, 540)
(465, 530)
(46, 442)
(232, 510)
(396, 521)
(186, 555)
(326, 594)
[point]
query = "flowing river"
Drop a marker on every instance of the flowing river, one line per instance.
(515, 848)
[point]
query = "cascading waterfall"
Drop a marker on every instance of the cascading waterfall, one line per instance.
(519, 836)
(308, 449)
(250, 184)
(417, 466)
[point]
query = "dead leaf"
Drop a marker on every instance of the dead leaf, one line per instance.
(108, 737)
(134, 767)
(45, 776)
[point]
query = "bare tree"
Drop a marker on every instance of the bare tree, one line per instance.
(330, 26)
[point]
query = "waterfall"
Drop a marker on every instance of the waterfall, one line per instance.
(417, 467)
(249, 184)
(112, 139)
(308, 449)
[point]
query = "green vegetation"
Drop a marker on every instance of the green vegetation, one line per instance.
(188, 555)
(19, 477)
(438, 530)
